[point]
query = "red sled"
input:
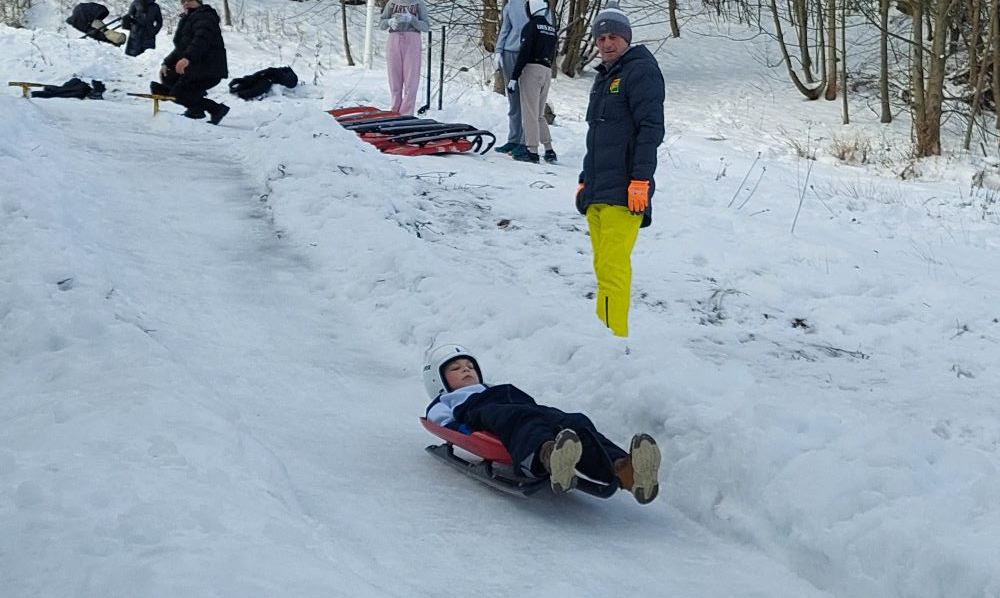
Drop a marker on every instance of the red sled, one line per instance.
(352, 110)
(495, 467)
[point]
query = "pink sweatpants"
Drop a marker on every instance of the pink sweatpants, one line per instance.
(402, 53)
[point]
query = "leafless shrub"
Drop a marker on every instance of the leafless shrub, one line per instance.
(854, 149)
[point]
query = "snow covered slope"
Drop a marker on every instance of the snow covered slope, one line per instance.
(210, 344)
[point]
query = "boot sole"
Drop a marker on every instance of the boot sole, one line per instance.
(562, 463)
(645, 457)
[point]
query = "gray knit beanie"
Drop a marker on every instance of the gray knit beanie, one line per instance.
(612, 20)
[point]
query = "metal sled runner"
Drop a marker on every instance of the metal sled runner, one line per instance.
(495, 467)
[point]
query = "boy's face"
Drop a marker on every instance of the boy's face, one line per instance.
(460, 373)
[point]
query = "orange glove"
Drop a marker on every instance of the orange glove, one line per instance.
(638, 196)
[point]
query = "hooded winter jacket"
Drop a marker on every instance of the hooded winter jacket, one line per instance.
(538, 44)
(145, 21)
(199, 39)
(515, 17)
(625, 127)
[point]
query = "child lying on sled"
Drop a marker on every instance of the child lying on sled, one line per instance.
(542, 441)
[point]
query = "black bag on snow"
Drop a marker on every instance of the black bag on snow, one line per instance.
(258, 84)
(74, 88)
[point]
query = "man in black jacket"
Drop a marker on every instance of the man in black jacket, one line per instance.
(197, 63)
(625, 127)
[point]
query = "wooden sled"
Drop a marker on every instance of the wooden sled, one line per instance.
(157, 98)
(25, 86)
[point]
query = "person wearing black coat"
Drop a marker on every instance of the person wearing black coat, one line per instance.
(624, 129)
(144, 21)
(197, 62)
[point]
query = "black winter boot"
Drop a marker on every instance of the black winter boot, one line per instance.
(218, 114)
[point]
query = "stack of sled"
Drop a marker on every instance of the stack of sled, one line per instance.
(393, 133)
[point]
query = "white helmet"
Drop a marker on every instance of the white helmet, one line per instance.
(436, 359)
(535, 6)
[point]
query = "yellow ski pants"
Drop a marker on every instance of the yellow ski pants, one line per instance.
(613, 232)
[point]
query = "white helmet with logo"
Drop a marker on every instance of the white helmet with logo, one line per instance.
(536, 6)
(434, 362)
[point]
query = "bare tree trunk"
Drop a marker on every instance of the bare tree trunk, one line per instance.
(489, 25)
(831, 49)
(343, 25)
(576, 31)
(489, 29)
(975, 35)
(843, 60)
(675, 28)
(802, 27)
(811, 93)
(227, 15)
(981, 74)
(883, 59)
(929, 91)
(995, 59)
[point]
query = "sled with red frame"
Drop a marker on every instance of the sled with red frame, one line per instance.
(389, 136)
(495, 466)
(339, 113)
(378, 127)
(454, 142)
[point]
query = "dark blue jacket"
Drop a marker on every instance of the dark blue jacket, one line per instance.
(625, 127)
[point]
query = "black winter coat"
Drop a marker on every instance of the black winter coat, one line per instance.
(144, 21)
(86, 13)
(199, 39)
(625, 127)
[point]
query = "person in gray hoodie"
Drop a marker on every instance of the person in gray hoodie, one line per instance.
(405, 20)
(515, 17)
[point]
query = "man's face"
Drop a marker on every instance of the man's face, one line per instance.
(611, 47)
(460, 373)
(189, 5)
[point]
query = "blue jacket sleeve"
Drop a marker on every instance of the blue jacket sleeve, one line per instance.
(646, 105)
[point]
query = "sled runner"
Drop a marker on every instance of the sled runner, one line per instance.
(380, 121)
(366, 116)
(392, 125)
(24, 85)
(444, 143)
(157, 98)
(400, 135)
(495, 467)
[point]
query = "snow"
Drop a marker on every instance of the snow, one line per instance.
(211, 341)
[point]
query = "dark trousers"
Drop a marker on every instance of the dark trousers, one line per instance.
(190, 93)
(523, 426)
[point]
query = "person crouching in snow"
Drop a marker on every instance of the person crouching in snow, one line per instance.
(196, 64)
(531, 78)
(405, 20)
(542, 441)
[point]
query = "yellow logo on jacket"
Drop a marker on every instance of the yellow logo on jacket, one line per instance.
(615, 86)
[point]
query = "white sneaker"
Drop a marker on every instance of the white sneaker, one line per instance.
(566, 453)
(645, 458)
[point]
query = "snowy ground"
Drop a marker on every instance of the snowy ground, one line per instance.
(210, 344)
